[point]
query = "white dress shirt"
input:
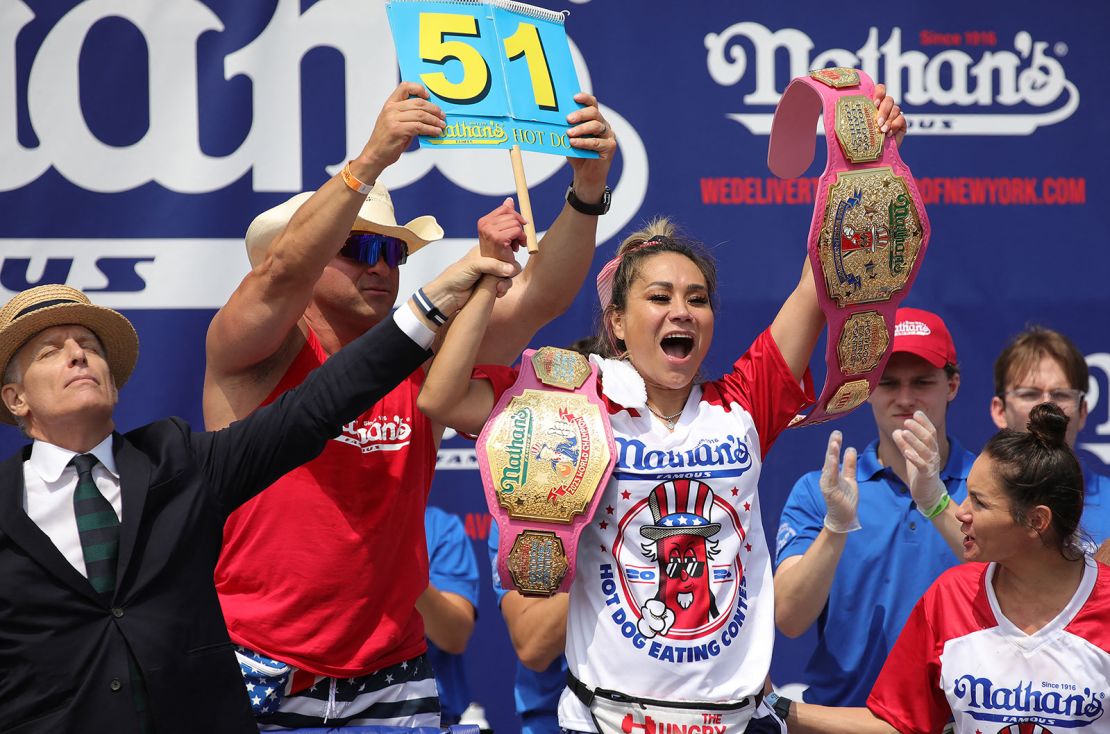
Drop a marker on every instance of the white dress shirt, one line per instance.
(48, 487)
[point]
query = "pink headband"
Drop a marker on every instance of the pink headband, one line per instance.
(609, 272)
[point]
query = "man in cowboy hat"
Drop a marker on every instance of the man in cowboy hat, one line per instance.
(321, 589)
(109, 620)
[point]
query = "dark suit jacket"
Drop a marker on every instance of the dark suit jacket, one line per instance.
(63, 658)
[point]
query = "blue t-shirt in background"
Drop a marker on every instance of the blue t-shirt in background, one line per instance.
(1096, 503)
(452, 567)
(536, 694)
(885, 568)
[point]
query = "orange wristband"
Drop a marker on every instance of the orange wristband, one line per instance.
(353, 183)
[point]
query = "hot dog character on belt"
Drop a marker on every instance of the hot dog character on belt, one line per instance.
(681, 545)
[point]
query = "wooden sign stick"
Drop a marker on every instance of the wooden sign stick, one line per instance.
(524, 200)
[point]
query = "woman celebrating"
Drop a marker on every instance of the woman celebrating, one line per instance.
(1018, 641)
(671, 599)
(670, 623)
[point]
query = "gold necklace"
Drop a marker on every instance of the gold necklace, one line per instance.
(668, 420)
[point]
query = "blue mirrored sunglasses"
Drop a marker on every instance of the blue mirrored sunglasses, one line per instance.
(367, 247)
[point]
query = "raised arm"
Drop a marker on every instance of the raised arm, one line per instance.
(449, 397)
(802, 583)
(800, 320)
(552, 277)
(252, 453)
(261, 315)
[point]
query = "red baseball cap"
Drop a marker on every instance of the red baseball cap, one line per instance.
(923, 333)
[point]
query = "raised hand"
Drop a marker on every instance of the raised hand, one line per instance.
(918, 444)
(590, 132)
(891, 120)
(501, 232)
(838, 485)
(405, 114)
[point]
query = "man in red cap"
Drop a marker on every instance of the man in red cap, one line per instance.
(859, 587)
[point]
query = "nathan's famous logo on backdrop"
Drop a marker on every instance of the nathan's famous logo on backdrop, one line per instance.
(996, 90)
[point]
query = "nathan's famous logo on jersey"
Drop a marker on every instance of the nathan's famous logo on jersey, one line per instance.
(676, 586)
(1018, 90)
(1064, 705)
(380, 433)
(729, 453)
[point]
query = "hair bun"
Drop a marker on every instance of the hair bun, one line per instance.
(1048, 424)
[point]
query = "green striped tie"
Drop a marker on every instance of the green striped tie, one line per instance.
(98, 528)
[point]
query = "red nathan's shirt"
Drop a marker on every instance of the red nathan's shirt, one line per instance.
(959, 656)
(322, 570)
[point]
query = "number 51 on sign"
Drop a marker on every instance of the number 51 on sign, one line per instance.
(501, 71)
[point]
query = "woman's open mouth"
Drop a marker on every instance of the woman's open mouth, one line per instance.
(677, 346)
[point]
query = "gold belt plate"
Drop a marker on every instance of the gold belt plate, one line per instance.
(560, 367)
(547, 455)
(857, 128)
(863, 342)
(537, 562)
(838, 77)
(870, 236)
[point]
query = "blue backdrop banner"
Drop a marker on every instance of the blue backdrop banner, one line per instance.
(139, 138)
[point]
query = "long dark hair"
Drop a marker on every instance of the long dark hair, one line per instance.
(1039, 468)
(658, 235)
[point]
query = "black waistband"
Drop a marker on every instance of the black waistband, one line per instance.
(586, 695)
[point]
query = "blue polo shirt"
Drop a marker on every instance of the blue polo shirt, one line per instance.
(452, 567)
(885, 568)
(1096, 503)
(536, 694)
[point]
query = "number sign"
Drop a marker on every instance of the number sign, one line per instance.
(501, 70)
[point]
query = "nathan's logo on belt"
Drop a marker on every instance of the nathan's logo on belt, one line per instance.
(1044, 703)
(897, 214)
(868, 212)
(515, 471)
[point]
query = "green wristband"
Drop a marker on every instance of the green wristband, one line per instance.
(938, 508)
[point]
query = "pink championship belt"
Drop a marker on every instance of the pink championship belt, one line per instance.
(545, 453)
(869, 231)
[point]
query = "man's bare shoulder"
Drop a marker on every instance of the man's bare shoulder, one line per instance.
(230, 395)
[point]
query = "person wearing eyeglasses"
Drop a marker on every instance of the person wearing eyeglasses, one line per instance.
(1041, 365)
(319, 576)
(853, 561)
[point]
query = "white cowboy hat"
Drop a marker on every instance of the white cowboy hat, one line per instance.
(376, 215)
(39, 308)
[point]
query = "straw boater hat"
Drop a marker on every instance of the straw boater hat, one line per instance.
(39, 308)
(376, 215)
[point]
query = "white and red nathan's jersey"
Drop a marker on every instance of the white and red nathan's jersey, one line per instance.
(673, 598)
(959, 656)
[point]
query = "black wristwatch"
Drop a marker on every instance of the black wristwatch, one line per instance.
(595, 210)
(781, 705)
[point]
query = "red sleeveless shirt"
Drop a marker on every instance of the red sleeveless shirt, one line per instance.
(322, 570)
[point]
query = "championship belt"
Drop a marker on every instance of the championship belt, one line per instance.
(869, 230)
(545, 453)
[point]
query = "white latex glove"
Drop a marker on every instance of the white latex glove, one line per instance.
(655, 619)
(838, 484)
(918, 444)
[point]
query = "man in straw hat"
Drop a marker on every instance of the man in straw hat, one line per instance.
(109, 621)
(319, 579)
